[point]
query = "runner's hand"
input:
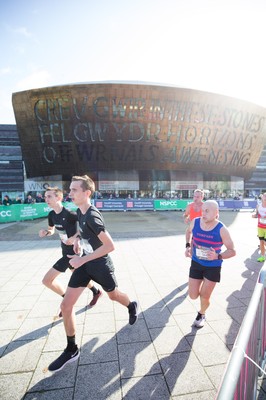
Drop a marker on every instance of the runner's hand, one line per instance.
(77, 246)
(43, 233)
(75, 261)
(188, 252)
(212, 255)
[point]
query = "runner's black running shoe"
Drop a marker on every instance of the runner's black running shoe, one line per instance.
(133, 312)
(65, 358)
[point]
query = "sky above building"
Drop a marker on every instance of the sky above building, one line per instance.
(211, 45)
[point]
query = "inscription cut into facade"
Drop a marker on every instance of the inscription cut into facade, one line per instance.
(124, 126)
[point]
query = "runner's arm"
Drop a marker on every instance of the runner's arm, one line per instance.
(47, 232)
(186, 214)
(188, 236)
(228, 243)
(106, 247)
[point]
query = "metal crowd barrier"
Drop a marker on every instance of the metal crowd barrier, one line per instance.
(247, 359)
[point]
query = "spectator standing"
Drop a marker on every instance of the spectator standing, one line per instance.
(39, 198)
(7, 201)
(29, 199)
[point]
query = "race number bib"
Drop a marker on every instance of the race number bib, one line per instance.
(86, 247)
(202, 253)
(63, 236)
(263, 221)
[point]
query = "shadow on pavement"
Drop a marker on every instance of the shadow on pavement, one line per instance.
(110, 379)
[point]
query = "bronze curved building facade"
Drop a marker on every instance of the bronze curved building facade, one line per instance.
(147, 128)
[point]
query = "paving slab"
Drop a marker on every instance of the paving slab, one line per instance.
(161, 357)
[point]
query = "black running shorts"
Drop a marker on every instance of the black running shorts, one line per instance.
(198, 271)
(62, 264)
(100, 271)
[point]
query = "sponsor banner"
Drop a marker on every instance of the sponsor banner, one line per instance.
(23, 212)
(110, 204)
(226, 204)
(140, 204)
(6, 214)
(249, 204)
(237, 204)
(32, 211)
(123, 205)
(170, 204)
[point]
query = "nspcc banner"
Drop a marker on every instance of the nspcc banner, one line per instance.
(23, 212)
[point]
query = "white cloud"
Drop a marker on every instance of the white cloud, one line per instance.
(37, 79)
(23, 31)
(7, 114)
(5, 71)
(20, 50)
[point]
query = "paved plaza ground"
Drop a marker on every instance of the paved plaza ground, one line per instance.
(161, 357)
